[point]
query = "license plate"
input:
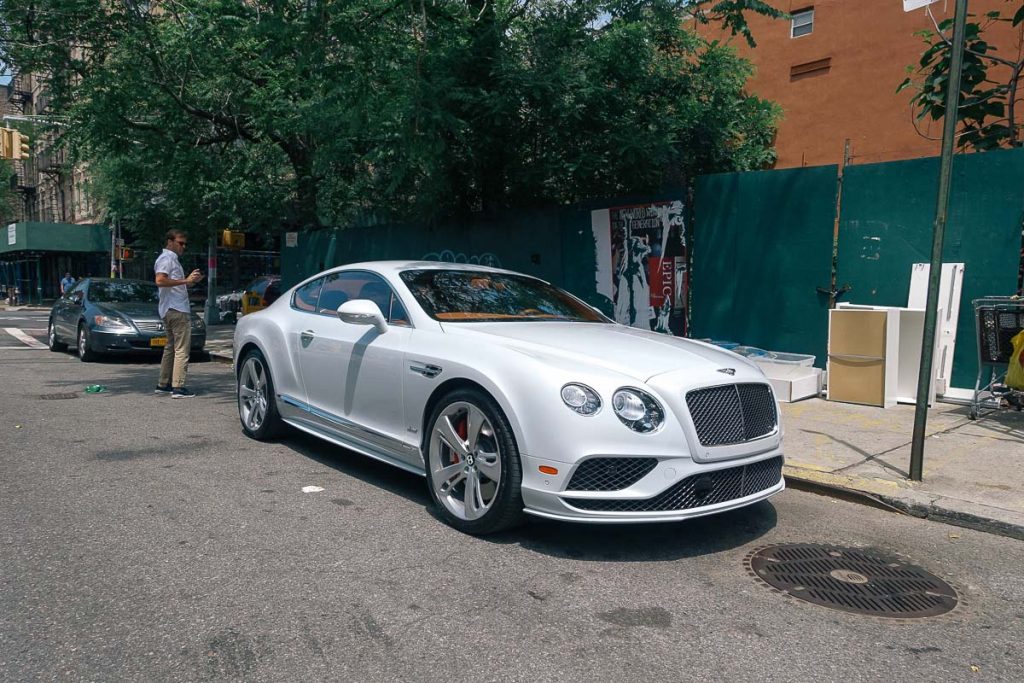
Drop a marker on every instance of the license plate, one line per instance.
(158, 341)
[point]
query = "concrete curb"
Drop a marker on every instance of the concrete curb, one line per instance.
(905, 500)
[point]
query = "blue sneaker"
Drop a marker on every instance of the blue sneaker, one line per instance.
(162, 389)
(182, 392)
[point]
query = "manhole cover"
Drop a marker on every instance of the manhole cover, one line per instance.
(852, 580)
(58, 397)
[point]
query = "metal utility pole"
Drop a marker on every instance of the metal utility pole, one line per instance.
(210, 313)
(924, 376)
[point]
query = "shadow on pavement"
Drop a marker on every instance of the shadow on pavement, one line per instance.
(656, 542)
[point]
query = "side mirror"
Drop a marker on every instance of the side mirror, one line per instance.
(362, 312)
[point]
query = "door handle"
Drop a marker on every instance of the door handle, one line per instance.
(306, 336)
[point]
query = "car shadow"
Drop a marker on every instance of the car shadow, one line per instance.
(648, 542)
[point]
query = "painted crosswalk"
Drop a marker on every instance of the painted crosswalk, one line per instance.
(27, 341)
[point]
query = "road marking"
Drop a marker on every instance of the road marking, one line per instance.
(31, 342)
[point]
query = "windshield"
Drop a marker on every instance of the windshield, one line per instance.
(123, 292)
(477, 296)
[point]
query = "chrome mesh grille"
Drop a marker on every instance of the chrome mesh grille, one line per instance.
(610, 474)
(732, 413)
(150, 325)
(695, 491)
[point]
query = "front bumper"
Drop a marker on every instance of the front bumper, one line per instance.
(106, 341)
(675, 489)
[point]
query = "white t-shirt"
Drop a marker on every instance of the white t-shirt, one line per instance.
(171, 297)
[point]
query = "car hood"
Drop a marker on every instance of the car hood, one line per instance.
(626, 350)
(130, 309)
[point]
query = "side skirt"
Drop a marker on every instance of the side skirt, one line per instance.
(301, 417)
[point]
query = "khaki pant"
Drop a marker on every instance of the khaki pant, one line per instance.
(176, 352)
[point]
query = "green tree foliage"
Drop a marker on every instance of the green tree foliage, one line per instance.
(302, 113)
(990, 103)
(8, 207)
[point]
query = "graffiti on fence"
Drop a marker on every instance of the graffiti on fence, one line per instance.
(449, 256)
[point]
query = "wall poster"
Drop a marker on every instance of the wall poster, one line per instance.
(641, 264)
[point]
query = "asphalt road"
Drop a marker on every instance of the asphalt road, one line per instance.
(146, 539)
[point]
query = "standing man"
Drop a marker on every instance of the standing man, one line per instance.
(176, 314)
(66, 284)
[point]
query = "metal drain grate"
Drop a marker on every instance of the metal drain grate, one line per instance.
(58, 397)
(852, 580)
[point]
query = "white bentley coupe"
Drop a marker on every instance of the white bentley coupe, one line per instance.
(510, 395)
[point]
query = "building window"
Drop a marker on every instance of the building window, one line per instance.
(803, 22)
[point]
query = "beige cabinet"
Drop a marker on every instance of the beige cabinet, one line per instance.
(859, 367)
(874, 355)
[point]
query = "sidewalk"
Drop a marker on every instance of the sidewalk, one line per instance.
(973, 470)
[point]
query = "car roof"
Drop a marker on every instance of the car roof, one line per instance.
(395, 267)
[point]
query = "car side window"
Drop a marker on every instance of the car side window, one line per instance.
(306, 296)
(348, 285)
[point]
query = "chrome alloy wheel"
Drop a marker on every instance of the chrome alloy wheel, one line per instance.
(83, 342)
(52, 335)
(465, 461)
(252, 393)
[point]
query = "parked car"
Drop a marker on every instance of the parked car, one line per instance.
(510, 396)
(229, 305)
(260, 293)
(107, 316)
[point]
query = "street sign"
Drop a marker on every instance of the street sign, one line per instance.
(911, 5)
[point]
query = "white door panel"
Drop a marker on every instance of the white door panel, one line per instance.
(354, 374)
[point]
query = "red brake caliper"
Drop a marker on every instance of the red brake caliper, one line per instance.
(460, 429)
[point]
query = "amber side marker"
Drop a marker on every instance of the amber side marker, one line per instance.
(547, 470)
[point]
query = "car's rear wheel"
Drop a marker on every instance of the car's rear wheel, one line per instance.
(85, 352)
(51, 338)
(257, 407)
(473, 468)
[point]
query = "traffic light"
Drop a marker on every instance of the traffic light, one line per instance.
(7, 143)
(20, 146)
(232, 239)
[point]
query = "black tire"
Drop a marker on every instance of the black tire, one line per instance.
(85, 352)
(504, 510)
(260, 427)
(51, 338)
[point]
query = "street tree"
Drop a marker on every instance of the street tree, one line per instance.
(990, 107)
(295, 114)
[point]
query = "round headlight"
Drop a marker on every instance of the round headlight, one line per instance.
(581, 399)
(637, 410)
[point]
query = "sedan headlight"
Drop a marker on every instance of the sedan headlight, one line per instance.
(197, 322)
(581, 399)
(112, 322)
(638, 410)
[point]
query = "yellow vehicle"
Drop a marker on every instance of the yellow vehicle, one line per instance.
(260, 293)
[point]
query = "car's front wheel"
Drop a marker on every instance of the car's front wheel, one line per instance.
(51, 337)
(85, 352)
(257, 407)
(473, 468)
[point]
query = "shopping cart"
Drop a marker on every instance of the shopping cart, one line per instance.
(998, 320)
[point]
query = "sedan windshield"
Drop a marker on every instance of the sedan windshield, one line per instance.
(478, 296)
(123, 292)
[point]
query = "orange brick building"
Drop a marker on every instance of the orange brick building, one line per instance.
(834, 68)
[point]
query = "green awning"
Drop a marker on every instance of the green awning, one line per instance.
(54, 237)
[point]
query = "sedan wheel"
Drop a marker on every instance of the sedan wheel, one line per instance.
(257, 408)
(473, 464)
(85, 352)
(51, 337)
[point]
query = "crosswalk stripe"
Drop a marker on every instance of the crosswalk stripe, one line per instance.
(31, 342)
